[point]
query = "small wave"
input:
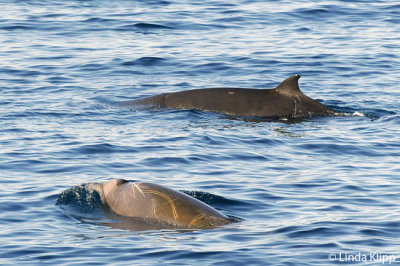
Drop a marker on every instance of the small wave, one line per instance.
(81, 201)
(355, 114)
(145, 61)
(358, 114)
(209, 198)
(103, 148)
(20, 72)
(98, 20)
(16, 27)
(143, 26)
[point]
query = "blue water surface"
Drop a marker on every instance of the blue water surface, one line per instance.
(316, 192)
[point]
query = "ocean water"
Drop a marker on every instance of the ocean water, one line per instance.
(325, 190)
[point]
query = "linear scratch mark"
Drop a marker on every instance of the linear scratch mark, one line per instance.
(138, 188)
(195, 219)
(169, 200)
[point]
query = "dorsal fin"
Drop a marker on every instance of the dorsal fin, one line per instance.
(289, 85)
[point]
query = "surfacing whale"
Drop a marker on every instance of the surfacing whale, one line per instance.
(284, 101)
(159, 204)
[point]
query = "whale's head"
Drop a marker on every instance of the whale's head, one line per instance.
(110, 186)
(156, 203)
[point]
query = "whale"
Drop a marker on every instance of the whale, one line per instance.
(160, 204)
(284, 101)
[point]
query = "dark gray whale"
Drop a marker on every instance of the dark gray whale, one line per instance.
(284, 101)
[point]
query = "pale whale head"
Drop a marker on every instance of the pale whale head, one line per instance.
(158, 203)
(111, 185)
